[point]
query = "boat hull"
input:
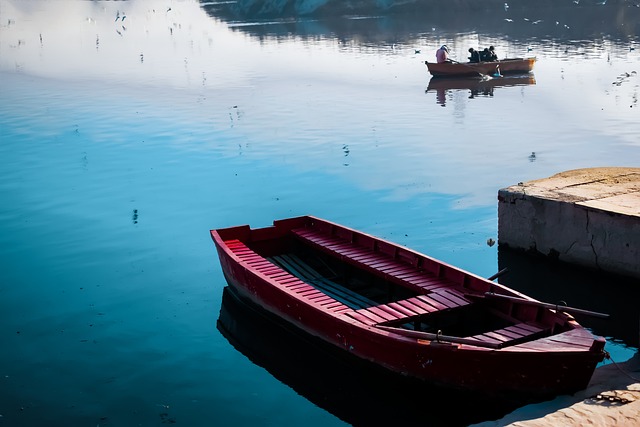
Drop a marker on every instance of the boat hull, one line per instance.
(517, 370)
(468, 69)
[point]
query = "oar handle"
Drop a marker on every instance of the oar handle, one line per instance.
(498, 274)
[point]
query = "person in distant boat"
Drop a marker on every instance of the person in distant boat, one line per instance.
(474, 55)
(485, 55)
(442, 54)
(493, 56)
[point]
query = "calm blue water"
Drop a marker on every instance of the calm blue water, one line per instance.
(124, 141)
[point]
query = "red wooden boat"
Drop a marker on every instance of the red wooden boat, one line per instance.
(469, 69)
(407, 312)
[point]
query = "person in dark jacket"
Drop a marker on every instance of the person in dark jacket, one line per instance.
(493, 56)
(474, 55)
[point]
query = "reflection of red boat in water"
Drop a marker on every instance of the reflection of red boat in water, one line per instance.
(339, 383)
(477, 86)
(470, 69)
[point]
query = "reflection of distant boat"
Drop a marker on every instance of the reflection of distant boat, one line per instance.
(479, 87)
(407, 312)
(478, 84)
(338, 383)
(462, 69)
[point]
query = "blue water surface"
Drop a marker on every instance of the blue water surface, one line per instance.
(123, 142)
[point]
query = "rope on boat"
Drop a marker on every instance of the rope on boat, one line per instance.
(608, 356)
(614, 399)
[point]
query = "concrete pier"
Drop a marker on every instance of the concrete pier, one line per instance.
(588, 217)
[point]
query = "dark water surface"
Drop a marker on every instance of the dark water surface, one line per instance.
(129, 129)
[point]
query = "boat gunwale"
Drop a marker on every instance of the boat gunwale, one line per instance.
(467, 69)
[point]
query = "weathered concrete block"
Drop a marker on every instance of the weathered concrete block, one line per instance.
(589, 217)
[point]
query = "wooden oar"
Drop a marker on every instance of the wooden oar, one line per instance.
(498, 274)
(556, 307)
(428, 336)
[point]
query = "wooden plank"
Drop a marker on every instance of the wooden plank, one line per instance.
(321, 299)
(303, 290)
(459, 302)
(332, 304)
(436, 304)
(403, 309)
(342, 309)
(343, 248)
(527, 328)
(442, 300)
(426, 281)
(512, 333)
(410, 305)
(383, 263)
(497, 336)
(279, 274)
(360, 318)
(259, 263)
(391, 311)
(252, 258)
(420, 304)
(399, 269)
(488, 339)
(310, 293)
(378, 312)
(298, 284)
(371, 315)
(364, 258)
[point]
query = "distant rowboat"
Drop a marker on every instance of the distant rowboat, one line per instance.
(467, 69)
(407, 312)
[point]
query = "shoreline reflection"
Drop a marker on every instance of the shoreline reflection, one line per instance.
(477, 87)
(371, 21)
(356, 392)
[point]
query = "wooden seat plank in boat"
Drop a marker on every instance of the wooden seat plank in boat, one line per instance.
(385, 314)
(573, 340)
(438, 297)
(403, 309)
(371, 260)
(407, 309)
(366, 317)
(416, 305)
(284, 278)
(511, 335)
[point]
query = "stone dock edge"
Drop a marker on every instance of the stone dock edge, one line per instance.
(587, 217)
